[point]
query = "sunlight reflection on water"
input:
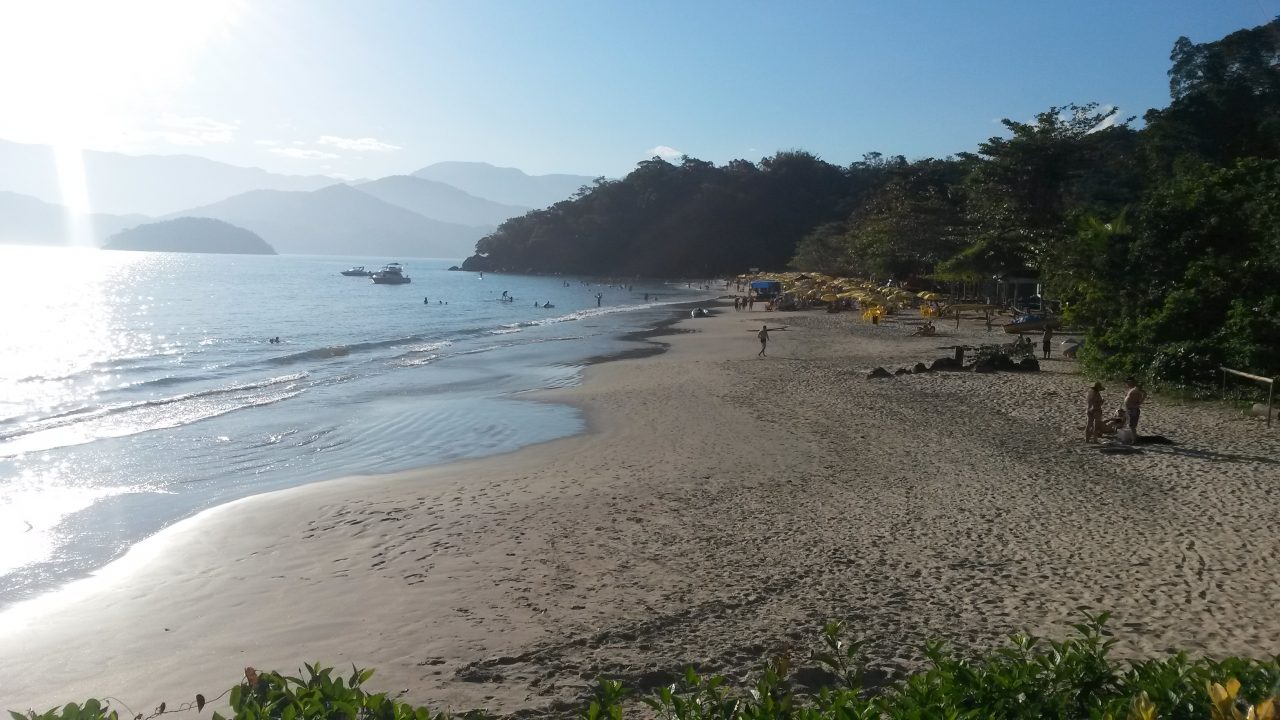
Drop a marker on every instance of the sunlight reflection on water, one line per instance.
(64, 316)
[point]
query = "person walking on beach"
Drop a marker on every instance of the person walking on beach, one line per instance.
(1047, 344)
(764, 338)
(1093, 413)
(1133, 398)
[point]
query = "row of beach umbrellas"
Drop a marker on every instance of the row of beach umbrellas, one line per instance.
(829, 289)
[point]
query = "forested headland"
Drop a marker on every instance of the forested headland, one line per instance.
(1162, 238)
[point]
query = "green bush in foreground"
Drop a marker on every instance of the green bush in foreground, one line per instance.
(1028, 678)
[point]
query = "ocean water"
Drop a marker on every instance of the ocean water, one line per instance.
(137, 389)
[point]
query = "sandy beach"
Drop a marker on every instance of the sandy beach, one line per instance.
(720, 508)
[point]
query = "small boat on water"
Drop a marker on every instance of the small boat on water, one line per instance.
(357, 271)
(1031, 323)
(390, 274)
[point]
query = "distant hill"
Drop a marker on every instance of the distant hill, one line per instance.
(191, 235)
(25, 220)
(439, 201)
(505, 185)
(147, 184)
(340, 220)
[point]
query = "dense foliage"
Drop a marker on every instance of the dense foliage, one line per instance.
(688, 219)
(1162, 241)
(1030, 678)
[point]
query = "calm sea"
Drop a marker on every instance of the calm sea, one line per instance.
(137, 389)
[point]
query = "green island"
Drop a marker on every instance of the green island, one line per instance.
(190, 234)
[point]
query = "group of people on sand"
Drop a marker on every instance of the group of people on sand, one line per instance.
(744, 303)
(1126, 416)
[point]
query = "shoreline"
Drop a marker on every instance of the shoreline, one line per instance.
(717, 509)
(58, 568)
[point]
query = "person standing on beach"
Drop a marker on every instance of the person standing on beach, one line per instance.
(1133, 398)
(764, 338)
(598, 298)
(1047, 344)
(1093, 413)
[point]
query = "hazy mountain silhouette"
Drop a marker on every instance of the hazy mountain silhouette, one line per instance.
(28, 221)
(505, 185)
(340, 220)
(439, 201)
(192, 235)
(148, 184)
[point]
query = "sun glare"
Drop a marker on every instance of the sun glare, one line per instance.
(74, 190)
(91, 74)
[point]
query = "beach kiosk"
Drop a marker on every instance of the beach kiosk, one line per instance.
(766, 289)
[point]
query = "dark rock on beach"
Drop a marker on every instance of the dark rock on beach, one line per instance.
(1028, 364)
(945, 363)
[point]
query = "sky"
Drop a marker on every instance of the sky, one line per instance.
(380, 87)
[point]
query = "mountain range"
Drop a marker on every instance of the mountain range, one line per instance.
(140, 184)
(440, 201)
(24, 220)
(340, 220)
(505, 185)
(437, 211)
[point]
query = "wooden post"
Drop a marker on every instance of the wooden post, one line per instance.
(1270, 394)
(1271, 383)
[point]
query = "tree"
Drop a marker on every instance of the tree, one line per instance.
(1024, 189)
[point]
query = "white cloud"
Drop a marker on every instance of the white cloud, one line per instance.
(179, 130)
(267, 143)
(665, 152)
(1109, 122)
(303, 153)
(367, 144)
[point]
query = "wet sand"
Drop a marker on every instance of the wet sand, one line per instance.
(719, 510)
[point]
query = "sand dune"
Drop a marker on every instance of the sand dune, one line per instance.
(720, 509)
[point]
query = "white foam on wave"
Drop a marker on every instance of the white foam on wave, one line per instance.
(415, 361)
(597, 312)
(132, 418)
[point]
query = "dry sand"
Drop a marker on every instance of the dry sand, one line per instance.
(720, 509)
